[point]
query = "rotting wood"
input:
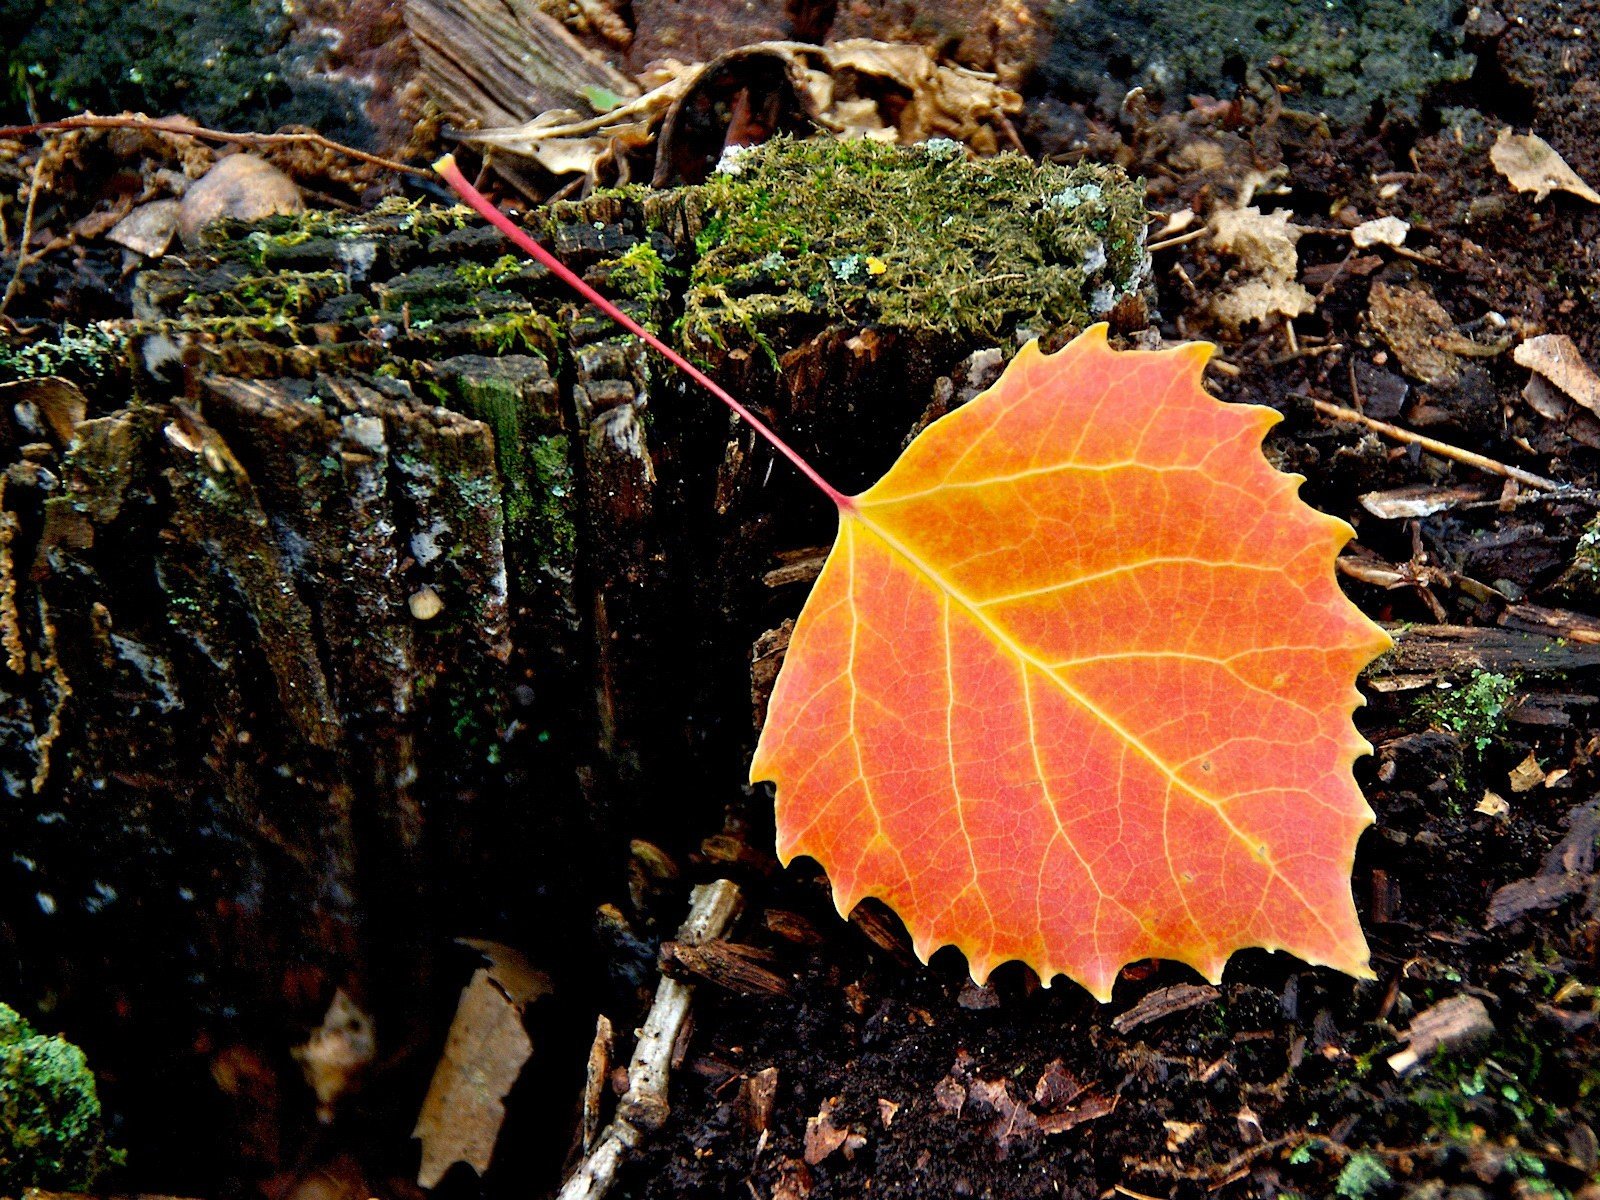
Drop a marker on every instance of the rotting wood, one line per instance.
(644, 1107)
(1427, 651)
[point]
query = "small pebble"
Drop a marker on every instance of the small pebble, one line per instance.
(241, 186)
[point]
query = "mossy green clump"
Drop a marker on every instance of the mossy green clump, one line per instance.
(916, 237)
(52, 1134)
(1361, 1176)
(80, 351)
(1341, 55)
(1474, 710)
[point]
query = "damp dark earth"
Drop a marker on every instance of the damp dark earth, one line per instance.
(385, 635)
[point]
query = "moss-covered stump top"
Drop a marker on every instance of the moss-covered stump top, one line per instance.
(789, 238)
(919, 237)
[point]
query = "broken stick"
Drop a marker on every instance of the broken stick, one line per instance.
(644, 1108)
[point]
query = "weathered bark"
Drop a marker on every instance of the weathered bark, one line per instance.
(381, 595)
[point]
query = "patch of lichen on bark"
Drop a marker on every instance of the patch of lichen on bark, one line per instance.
(920, 238)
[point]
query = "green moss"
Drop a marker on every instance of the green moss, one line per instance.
(915, 237)
(1473, 711)
(482, 278)
(639, 274)
(227, 63)
(51, 1131)
(550, 482)
(518, 332)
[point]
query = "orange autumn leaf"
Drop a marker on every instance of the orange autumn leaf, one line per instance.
(1075, 684)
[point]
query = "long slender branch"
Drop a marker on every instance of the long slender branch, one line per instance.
(183, 129)
(447, 169)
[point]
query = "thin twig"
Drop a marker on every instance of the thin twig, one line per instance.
(181, 129)
(27, 236)
(1178, 239)
(1442, 449)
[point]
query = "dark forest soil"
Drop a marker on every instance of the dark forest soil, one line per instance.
(860, 1072)
(1279, 1082)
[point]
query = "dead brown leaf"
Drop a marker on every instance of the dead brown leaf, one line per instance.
(1266, 287)
(1422, 334)
(465, 1106)
(823, 1137)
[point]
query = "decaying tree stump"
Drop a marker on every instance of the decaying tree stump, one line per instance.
(381, 590)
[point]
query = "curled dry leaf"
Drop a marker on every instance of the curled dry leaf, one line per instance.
(1530, 164)
(1075, 684)
(1554, 357)
(148, 229)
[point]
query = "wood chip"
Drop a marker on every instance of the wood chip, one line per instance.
(1421, 500)
(1532, 165)
(729, 965)
(1450, 1024)
(1164, 1003)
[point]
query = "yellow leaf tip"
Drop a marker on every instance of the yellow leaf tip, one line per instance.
(444, 163)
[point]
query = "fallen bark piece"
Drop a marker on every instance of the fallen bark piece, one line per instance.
(1420, 500)
(1530, 164)
(1554, 357)
(596, 1072)
(1450, 1024)
(1164, 1002)
(727, 964)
